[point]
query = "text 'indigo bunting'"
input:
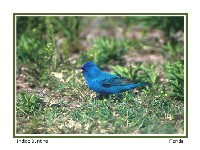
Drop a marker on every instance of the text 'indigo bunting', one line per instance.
(105, 83)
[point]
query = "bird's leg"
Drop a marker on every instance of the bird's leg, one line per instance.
(102, 96)
(117, 97)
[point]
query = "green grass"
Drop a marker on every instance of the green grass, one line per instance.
(52, 95)
(70, 107)
(129, 115)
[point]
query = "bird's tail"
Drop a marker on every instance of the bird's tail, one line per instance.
(137, 85)
(145, 84)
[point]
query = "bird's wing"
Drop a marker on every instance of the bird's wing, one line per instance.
(115, 81)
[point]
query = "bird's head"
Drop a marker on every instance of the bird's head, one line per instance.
(88, 65)
(90, 69)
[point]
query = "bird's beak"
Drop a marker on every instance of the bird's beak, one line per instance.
(81, 69)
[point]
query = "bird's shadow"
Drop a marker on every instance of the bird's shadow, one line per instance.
(114, 97)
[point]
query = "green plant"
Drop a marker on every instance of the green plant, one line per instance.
(72, 32)
(46, 42)
(38, 51)
(28, 103)
(129, 73)
(139, 73)
(173, 52)
(169, 24)
(175, 75)
(105, 50)
(151, 74)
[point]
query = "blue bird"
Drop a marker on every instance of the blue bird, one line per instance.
(104, 83)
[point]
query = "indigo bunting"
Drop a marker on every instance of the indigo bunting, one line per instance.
(104, 83)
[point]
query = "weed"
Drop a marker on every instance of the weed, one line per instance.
(104, 50)
(175, 75)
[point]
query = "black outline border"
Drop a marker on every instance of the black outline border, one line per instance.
(97, 14)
